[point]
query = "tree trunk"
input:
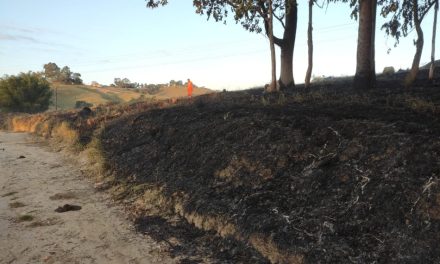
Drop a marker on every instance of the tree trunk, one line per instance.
(365, 77)
(434, 29)
(310, 46)
(273, 86)
(411, 77)
(287, 45)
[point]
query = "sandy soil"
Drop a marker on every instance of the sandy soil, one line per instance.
(33, 186)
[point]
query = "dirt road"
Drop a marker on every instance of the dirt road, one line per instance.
(33, 183)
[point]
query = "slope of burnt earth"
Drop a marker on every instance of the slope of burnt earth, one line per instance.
(321, 177)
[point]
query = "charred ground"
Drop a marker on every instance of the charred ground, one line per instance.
(323, 176)
(330, 176)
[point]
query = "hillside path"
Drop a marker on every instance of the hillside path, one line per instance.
(35, 181)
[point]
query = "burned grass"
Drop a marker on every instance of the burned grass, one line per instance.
(322, 176)
(333, 178)
(191, 245)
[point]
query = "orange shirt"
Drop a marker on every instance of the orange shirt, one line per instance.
(190, 88)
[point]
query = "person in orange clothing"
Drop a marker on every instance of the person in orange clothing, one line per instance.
(190, 88)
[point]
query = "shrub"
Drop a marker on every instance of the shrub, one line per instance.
(82, 104)
(27, 92)
(388, 71)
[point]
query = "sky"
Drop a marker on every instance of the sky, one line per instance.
(106, 39)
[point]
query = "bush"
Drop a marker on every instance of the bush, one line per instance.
(27, 92)
(81, 104)
(388, 71)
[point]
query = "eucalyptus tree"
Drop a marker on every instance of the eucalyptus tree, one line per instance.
(406, 16)
(365, 77)
(51, 71)
(434, 29)
(256, 16)
(365, 12)
(309, 45)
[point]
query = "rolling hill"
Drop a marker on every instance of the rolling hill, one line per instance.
(67, 95)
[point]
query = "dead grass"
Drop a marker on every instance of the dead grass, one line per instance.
(64, 133)
(156, 202)
(26, 123)
(267, 247)
(69, 94)
(95, 159)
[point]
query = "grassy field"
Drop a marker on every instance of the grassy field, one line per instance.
(69, 94)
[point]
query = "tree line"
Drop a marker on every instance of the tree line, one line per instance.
(260, 15)
(30, 92)
(149, 88)
(62, 75)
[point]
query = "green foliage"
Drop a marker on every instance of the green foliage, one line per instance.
(65, 74)
(402, 19)
(27, 92)
(176, 83)
(124, 83)
(81, 104)
(252, 14)
(53, 73)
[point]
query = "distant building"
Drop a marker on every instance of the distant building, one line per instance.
(95, 84)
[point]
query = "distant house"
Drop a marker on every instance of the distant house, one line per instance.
(95, 84)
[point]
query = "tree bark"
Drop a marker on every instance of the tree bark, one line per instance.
(273, 86)
(287, 45)
(365, 77)
(310, 46)
(434, 30)
(411, 77)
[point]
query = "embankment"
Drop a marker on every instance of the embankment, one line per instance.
(320, 177)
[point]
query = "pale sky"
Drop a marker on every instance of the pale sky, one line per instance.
(104, 39)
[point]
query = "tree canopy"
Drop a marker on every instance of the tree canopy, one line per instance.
(27, 92)
(53, 73)
(258, 16)
(405, 16)
(254, 16)
(124, 83)
(402, 19)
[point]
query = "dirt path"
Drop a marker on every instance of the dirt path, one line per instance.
(33, 186)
